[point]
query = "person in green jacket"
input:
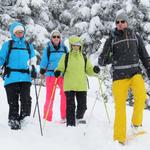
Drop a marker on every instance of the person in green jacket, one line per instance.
(75, 80)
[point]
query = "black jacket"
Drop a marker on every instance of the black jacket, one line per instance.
(124, 49)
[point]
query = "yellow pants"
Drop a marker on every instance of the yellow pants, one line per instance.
(120, 92)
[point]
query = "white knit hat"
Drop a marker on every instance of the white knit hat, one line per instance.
(55, 32)
(18, 28)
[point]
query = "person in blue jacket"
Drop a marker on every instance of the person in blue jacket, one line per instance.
(52, 54)
(18, 57)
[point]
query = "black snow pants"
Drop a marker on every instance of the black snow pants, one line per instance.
(71, 115)
(19, 100)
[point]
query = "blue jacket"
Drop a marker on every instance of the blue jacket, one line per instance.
(18, 58)
(55, 55)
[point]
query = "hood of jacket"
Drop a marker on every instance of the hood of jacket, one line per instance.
(11, 28)
(75, 40)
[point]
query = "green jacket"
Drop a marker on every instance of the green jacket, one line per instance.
(75, 78)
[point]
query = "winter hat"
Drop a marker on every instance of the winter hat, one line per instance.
(55, 32)
(122, 16)
(18, 28)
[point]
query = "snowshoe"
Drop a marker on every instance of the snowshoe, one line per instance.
(81, 121)
(62, 121)
(14, 124)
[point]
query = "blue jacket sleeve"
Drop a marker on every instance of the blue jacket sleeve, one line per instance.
(44, 60)
(3, 53)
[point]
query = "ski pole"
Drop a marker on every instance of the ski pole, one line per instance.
(102, 93)
(37, 98)
(37, 103)
(50, 102)
(90, 116)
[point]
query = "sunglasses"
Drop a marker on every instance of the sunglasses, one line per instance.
(54, 37)
(19, 32)
(122, 21)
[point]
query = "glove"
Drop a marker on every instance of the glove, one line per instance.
(42, 71)
(33, 73)
(57, 73)
(96, 69)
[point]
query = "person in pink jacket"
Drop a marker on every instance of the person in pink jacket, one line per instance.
(52, 53)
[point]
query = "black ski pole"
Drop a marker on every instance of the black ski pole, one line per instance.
(37, 99)
(33, 69)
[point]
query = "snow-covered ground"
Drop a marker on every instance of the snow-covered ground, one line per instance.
(96, 135)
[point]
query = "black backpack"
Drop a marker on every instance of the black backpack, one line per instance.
(66, 61)
(49, 51)
(6, 70)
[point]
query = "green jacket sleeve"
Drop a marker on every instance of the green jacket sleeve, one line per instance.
(61, 64)
(89, 68)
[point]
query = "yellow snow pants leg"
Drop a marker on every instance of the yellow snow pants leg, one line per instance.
(120, 91)
(139, 92)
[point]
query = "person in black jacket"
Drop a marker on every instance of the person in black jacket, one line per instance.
(124, 49)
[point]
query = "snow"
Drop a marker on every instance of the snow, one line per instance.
(95, 9)
(145, 3)
(96, 135)
(3, 36)
(129, 5)
(22, 7)
(82, 26)
(95, 25)
(37, 3)
(148, 48)
(85, 12)
(39, 32)
(86, 38)
(146, 27)
(44, 16)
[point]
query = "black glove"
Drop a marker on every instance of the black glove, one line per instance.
(33, 73)
(57, 73)
(96, 69)
(42, 71)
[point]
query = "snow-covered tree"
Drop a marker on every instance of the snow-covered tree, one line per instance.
(94, 18)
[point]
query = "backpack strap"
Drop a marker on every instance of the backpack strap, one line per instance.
(65, 49)
(113, 38)
(66, 61)
(85, 60)
(49, 51)
(8, 70)
(136, 35)
(10, 47)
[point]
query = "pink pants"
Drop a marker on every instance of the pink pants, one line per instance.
(50, 86)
